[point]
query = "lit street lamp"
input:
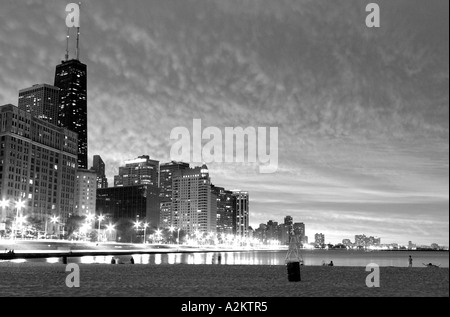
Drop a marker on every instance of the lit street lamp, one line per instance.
(54, 220)
(137, 225)
(100, 219)
(110, 228)
(172, 229)
(19, 205)
(158, 234)
(90, 218)
(145, 230)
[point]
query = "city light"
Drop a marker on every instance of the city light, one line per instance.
(4, 203)
(100, 219)
(20, 204)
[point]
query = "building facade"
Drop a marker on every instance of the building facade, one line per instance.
(299, 231)
(192, 209)
(241, 216)
(99, 168)
(129, 203)
(140, 171)
(42, 101)
(225, 201)
(85, 192)
(319, 239)
(166, 171)
(38, 161)
(71, 79)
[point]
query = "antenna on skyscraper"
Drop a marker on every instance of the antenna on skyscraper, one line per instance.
(67, 47)
(78, 36)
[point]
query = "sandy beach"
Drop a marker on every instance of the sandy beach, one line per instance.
(99, 280)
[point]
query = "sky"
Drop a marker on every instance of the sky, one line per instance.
(362, 113)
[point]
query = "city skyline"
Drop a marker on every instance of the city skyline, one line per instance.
(363, 128)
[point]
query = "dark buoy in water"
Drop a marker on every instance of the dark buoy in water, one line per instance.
(132, 260)
(113, 261)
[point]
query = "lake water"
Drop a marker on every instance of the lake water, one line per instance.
(310, 257)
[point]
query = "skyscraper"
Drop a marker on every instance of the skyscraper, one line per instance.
(288, 221)
(71, 79)
(85, 192)
(140, 171)
(299, 231)
(241, 213)
(225, 202)
(37, 166)
(319, 239)
(99, 168)
(42, 101)
(166, 171)
(192, 209)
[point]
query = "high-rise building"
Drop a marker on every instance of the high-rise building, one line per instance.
(42, 101)
(288, 221)
(225, 202)
(319, 239)
(272, 231)
(129, 204)
(140, 171)
(85, 192)
(360, 240)
(38, 161)
(99, 168)
(71, 79)
(241, 216)
(166, 171)
(299, 231)
(192, 209)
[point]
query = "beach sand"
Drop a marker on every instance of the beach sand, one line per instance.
(99, 280)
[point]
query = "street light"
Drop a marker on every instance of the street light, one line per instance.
(110, 228)
(100, 219)
(145, 230)
(4, 203)
(19, 205)
(137, 225)
(90, 218)
(54, 220)
(158, 233)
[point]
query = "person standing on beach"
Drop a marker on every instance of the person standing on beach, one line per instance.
(410, 261)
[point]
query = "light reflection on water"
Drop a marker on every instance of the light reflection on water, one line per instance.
(310, 258)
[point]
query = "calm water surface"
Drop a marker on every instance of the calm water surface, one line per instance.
(310, 257)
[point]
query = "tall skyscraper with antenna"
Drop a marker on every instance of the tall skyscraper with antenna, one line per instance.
(71, 79)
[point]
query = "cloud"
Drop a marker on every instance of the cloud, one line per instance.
(362, 113)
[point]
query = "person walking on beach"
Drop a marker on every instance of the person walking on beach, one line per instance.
(410, 260)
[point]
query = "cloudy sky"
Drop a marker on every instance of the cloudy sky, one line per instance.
(363, 114)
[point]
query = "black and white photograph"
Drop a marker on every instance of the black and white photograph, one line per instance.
(224, 153)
